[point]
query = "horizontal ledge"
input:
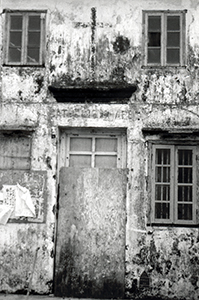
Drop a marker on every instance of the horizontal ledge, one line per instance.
(153, 225)
(153, 67)
(7, 10)
(155, 12)
(10, 65)
(17, 129)
(157, 130)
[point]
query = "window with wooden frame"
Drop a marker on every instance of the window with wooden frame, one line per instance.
(93, 149)
(25, 38)
(173, 184)
(15, 152)
(164, 38)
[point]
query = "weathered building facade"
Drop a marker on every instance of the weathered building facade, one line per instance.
(99, 132)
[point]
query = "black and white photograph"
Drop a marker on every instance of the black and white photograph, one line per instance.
(99, 149)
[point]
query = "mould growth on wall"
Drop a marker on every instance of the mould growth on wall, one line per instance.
(121, 44)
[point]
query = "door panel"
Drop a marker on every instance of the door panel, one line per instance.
(90, 258)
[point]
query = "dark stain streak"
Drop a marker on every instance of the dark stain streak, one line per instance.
(59, 49)
(121, 44)
(39, 81)
(81, 25)
(93, 46)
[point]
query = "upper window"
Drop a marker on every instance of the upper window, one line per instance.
(164, 38)
(25, 36)
(174, 184)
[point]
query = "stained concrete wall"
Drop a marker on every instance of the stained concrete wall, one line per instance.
(100, 43)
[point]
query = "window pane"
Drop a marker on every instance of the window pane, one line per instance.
(166, 192)
(15, 38)
(166, 174)
(163, 156)
(185, 212)
(162, 192)
(106, 161)
(34, 23)
(162, 174)
(154, 39)
(14, 55)
(158, 174)
(33, 55)
(158, 158)
(158, 192)
(173, 23)
(34, 39)
(173, 39)
(185, 175)
(173, 56)
(81, 144)
(185, 193)
(153, 55)
(106, 145)
(15, 22)
(162, 210)
(80, 161)
(154, 23)
(184, 157)
(166, 156)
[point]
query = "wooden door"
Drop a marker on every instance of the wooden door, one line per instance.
(90, 246)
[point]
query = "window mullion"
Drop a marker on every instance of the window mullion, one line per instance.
(93, 153)
(194, 184)
(182, 39)
(42, 38)
(163, 39)
(153, 182)
(172, 184)
(175, 184)
(119, 161)
(67, 149)
(8, 24)
(25, 39)
(146, 39)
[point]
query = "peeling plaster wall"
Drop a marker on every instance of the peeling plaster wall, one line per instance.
(101, 50)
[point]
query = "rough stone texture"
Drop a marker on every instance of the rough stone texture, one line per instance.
(90, 250)
(102, 48)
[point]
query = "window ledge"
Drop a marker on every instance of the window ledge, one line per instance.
(23, 66)
(163, 67)
(172, 225)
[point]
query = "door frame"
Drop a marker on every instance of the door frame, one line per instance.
(61, 151)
